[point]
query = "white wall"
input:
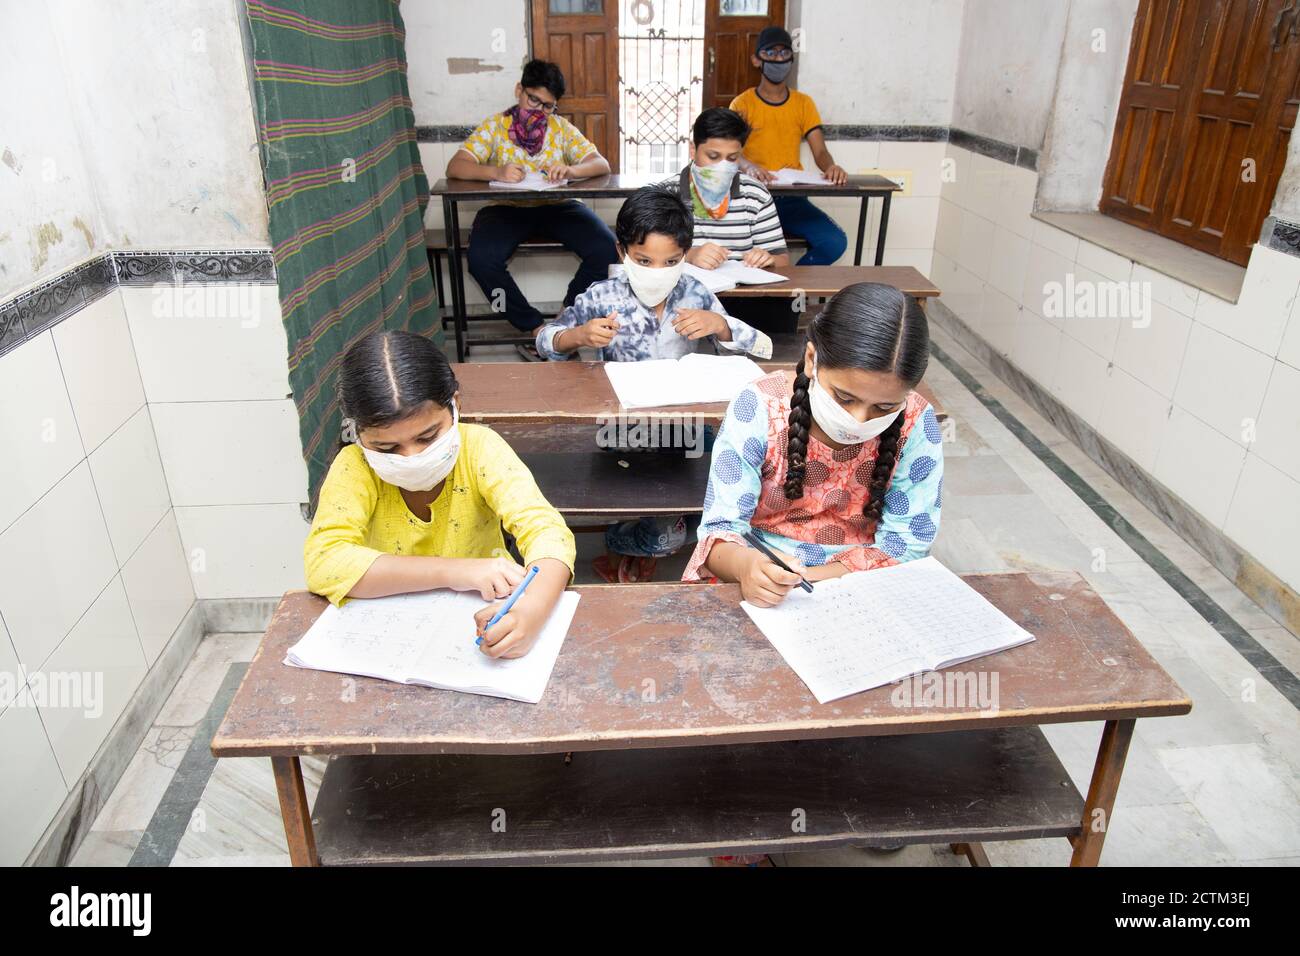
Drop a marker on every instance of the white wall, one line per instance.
(1007, 64)
(1206, 398)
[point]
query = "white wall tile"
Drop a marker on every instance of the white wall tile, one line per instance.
(239, 551)
(958, 176)
(11, 669)
(1001, 319)
(1097, 295)
(98, 361)
(1259, 317)
(1278, 435)
(1007, 264)
(947, 232)
(919, 259)
(28, 800)
(1264, 518)
(1043, 268)
(1109, 264)
(1222, 382)
(986, 189)
(54, 562)
(1016, 205)
(158, 587)
(226, 343)
(1057, 240)
(924, 160)
(104, 648)
(1178, 296)
(217, 453)
(38, 431)
(975, 247)
(1289, 351)
(129, 478)
(1153, 353)
(912, 222)
(1199, 465)
(1133, 416)
(1081, 379)
(1037, 348)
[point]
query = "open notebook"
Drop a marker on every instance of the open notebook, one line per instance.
(428, 639)
(875, 627)
(531, 180)
(689, 380)
(793, 177)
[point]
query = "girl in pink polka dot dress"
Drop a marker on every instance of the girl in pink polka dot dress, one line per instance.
(838, 465)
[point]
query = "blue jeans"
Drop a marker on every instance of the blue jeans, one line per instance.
(799, 217)
(499, 229)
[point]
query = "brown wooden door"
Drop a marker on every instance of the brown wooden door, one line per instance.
(585, 45)
(1210, 85)
(729, 43)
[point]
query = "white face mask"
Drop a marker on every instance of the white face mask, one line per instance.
(423, 470)
(837, 423)
(652, 285)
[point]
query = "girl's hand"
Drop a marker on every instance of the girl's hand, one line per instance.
(766, 584)
(824, 572)
(515, 634)
(490, 577)
(708, 256)
(599, 332)
(510, 173)
(697, 323)
(758, 258)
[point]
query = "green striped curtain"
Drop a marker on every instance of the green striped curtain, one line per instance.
(345, 189)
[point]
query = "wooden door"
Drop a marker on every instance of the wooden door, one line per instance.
(1207, 109)
(731, 28)
(581, 36)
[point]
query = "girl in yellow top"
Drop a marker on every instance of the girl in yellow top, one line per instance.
(416, 499)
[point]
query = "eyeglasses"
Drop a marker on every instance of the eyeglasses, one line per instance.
(776, 54)
(542, 105)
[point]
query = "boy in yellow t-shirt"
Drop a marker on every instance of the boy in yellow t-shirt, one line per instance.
(781, 119)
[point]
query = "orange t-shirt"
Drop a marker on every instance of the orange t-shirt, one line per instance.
(778, 130)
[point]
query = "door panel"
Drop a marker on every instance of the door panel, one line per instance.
(584, 45)
(729, 42)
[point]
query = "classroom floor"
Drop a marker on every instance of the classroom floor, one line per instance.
(1218, 787)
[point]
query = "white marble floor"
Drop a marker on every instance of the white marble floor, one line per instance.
(1220, 786)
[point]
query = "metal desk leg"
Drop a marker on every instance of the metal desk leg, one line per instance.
(862, 230)
(884, 226)
(451, 218)
(435, 266)
(293, 809)
(1097, 809)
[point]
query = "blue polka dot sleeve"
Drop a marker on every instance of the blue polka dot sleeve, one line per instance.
(909, 520)
(735, 477)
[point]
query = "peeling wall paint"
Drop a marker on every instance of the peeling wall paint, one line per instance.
(463, 57)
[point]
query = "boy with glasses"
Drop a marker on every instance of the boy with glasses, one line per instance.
(781, 119)
(531, 137)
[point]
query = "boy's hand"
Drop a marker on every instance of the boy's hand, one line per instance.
(515, 634)
(599, 332)
(708, 256)
(510, 173)
(556, 173)
(764, 176)
(836, 174)
(697, 323)
(490, 577)
(758, 258)
(766, 584)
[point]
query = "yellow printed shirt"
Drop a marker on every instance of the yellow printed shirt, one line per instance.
(360, 516)
(778, 130)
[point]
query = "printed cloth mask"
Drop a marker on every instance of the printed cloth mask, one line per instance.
(837, 423)
(527, 129)
(711, 187)
(423, 470)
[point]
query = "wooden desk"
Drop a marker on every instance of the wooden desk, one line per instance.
(730, 742)
(569, 392)
(456, 191)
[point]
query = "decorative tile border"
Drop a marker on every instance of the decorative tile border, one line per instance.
(1281, 236)
(37, 310)
(876, 133)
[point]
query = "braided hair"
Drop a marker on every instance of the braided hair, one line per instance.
(867, 326)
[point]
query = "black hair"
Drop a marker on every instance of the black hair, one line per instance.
(654, 209)
(718, 122)
(389, 375)
(544, 74)
(868, 326)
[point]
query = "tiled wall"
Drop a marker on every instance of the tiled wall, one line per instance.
(1173, 396)
(908, 240)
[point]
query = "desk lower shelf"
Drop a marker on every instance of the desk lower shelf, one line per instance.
(962, 787)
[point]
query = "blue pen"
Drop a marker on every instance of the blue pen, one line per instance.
(510, 602)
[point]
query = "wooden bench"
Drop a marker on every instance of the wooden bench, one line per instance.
(714, 761)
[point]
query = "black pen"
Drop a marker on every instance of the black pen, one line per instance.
(758, 543)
